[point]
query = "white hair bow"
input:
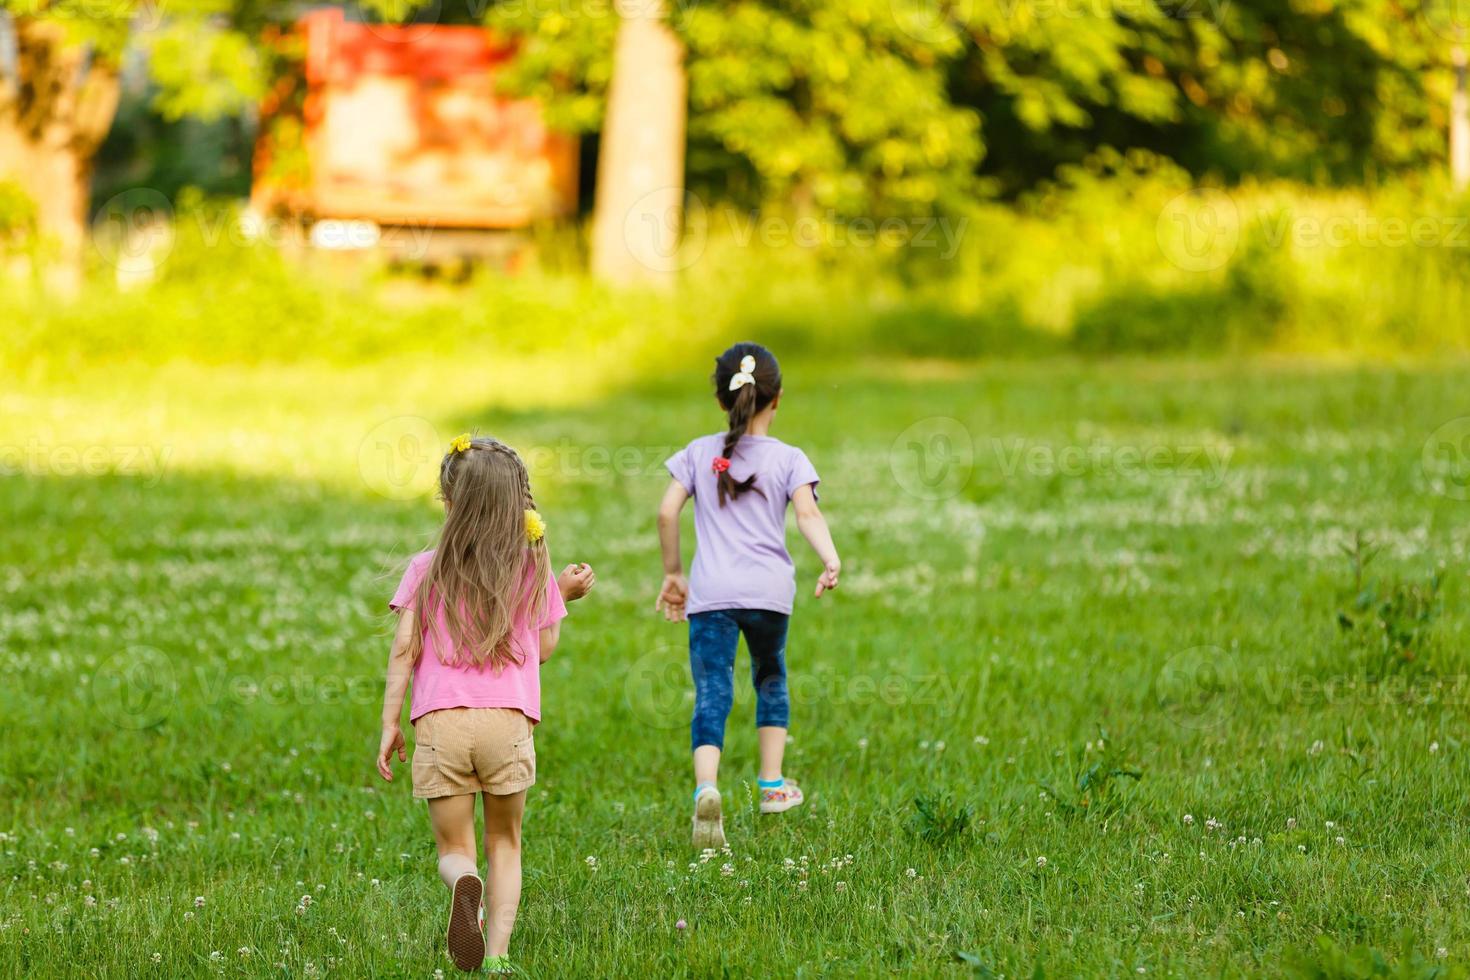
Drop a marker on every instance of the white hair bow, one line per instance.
(744, 376)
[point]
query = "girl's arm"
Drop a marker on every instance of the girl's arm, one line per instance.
(550, 636)
(675, 589)
(400, 668)
(813, 527)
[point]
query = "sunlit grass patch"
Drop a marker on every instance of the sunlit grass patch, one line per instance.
(196, 662)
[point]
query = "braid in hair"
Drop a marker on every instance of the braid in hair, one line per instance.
(740, 414)
(757, 387)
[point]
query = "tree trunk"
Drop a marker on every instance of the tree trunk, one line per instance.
(53, 117)
(1459, 123)
(639, 209)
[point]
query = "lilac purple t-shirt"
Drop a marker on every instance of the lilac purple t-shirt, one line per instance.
(740, 556)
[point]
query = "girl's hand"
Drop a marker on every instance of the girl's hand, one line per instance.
(392, 739)
(575, 581)
(828, 579)
(672, 597)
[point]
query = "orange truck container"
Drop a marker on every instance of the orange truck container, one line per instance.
(402, 125)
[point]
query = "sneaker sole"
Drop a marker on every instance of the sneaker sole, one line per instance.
(709, 823)
(782, 807)
(463, 937)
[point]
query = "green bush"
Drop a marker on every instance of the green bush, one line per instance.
(1092, 264)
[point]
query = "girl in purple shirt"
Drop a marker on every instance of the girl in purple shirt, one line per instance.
(743, 581)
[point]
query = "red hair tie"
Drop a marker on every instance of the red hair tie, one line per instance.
(720, 465)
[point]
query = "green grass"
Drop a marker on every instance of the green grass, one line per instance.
(194, 658)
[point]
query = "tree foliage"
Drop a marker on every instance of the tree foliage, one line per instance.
(895, 106)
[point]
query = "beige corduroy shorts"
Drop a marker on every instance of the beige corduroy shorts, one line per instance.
(459, 751)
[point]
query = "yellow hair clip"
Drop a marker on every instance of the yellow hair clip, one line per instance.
(461, 443)
(535, 526)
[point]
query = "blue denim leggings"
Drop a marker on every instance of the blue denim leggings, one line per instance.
(713, 637)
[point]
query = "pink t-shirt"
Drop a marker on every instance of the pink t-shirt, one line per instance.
(437, 684)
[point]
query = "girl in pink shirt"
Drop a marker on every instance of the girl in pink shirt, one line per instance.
(477, 616)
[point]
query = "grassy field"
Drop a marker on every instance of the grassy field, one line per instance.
(1102, 692)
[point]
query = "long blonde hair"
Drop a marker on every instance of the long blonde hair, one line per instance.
(485, 569)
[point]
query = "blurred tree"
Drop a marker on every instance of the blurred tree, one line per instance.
(882, 107)
(850, 107)
(60, 94)
(818, 105)
(640, 174)
(55, 108)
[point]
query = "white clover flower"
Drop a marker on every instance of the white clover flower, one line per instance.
(1188, 819)
(1041, 861)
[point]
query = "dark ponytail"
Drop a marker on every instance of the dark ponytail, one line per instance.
(742, 405)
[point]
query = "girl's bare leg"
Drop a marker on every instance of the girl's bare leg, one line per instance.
(706, 764)
(453, 820)
(503, 851)
(773, 750)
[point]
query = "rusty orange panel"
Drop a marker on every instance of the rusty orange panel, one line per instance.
(402, 125)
